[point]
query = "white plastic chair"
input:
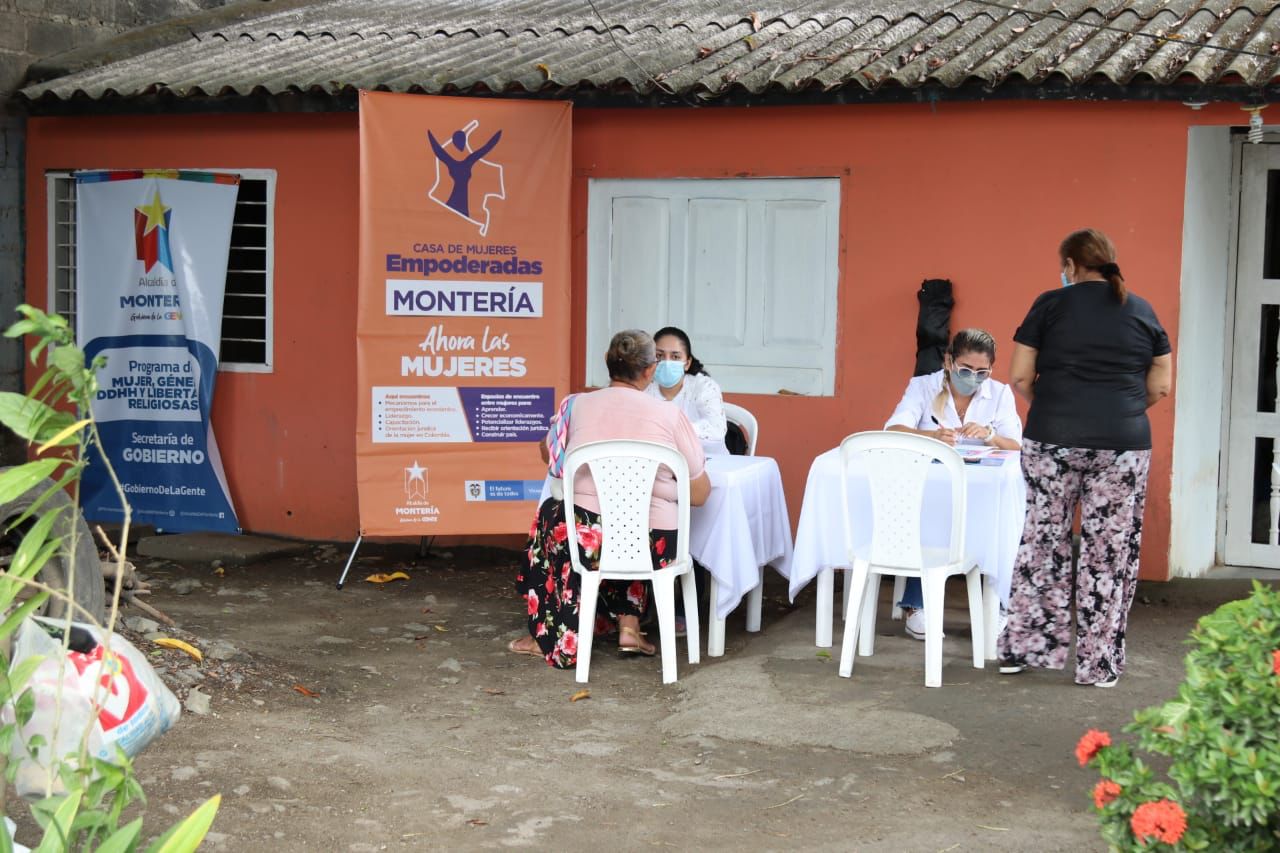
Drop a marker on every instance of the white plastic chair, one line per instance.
(624, 474)
(897, 466)
(746, 420)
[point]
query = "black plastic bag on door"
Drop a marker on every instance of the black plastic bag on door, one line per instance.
(933, 327)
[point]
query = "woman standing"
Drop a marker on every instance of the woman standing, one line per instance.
(681, 379)
(547, 581)
(1091, 357)
(961, 402)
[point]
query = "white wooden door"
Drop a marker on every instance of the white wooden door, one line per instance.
(1252, 505)
(747, 267)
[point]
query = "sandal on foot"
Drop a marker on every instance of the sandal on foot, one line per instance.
(637, 648)
(534, 652)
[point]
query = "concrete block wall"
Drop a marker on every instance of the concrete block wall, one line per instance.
(31, 30)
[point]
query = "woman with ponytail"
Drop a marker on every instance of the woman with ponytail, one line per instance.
(1091, 358)
(960, 403)
(681, 379)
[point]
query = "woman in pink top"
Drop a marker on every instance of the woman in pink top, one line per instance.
(547, 581)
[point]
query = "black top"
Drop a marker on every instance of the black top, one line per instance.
(1092, 362)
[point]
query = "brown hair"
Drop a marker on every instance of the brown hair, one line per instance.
(630, 354)
(973, 340)
(1091, 250)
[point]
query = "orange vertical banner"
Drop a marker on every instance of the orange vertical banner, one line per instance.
(463, 324)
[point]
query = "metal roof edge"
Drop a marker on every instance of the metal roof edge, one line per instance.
(347, 98)
(141, 40)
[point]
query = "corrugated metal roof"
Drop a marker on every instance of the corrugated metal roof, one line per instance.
(700, 49)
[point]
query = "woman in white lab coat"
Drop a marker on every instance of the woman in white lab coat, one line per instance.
(681, 379)
(961, 401)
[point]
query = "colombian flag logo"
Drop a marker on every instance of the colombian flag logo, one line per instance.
(151, 233)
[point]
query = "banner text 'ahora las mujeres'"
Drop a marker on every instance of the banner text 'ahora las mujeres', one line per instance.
(463, 310)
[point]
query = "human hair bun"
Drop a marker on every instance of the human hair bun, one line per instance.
(630, 354)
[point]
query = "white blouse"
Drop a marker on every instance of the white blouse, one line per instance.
(702, 402)
(992, 405)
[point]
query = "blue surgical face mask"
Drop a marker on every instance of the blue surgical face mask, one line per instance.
(669, 373)
(963, 384)
(1066, 282)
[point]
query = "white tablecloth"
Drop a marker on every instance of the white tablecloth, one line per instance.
(996, 506)
(743, 525)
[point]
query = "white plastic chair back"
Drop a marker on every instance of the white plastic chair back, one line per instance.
(897, 465)
(624, 473)
(746, 420)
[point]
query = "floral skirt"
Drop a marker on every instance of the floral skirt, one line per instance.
(550, 587)
(1110, 488)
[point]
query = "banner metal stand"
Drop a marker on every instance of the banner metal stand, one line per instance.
(424, 551)
(350, 560)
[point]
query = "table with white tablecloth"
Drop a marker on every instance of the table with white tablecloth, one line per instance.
(742, 527)
(996, 501)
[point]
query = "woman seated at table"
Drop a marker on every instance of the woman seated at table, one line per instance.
(681, 379)
(546, 580)
(959, 404)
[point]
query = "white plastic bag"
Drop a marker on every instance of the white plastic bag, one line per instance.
(116, 695)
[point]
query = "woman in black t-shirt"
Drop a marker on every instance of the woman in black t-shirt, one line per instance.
(1091, 358)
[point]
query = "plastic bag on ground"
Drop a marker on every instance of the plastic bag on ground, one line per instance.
(117, 696)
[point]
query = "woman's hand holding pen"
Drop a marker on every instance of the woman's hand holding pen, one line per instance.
(943, 434)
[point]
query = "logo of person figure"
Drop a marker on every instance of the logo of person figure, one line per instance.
(465, 181)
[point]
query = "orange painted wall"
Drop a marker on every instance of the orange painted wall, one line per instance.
(980, 193)
(287, 437)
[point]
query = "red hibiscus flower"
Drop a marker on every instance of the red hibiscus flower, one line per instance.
(1092, 741)
(559, 533)
(635, 593)
(660, 547)
(1162, 820)
(551, 584)
(532, 599)
(542, 629)
(1104, 792)
(569, 643)
(588, 538)
(1275, 661)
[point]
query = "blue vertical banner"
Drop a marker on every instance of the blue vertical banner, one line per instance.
(151, 258)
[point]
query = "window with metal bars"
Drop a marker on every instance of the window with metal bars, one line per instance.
(247, 303)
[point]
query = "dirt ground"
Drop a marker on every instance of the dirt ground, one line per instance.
(425, 733)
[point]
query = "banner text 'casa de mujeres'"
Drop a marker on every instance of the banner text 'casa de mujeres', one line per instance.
(462, 332)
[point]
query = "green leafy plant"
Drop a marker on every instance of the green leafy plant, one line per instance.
(94, 794)
(1221, 737)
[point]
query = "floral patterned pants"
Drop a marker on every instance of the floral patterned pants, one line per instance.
(551, 588)
(1110, 488)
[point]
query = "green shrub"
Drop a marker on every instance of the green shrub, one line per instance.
(87, 814)
(1221, 736)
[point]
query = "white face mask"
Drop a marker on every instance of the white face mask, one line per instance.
(1066, 282)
